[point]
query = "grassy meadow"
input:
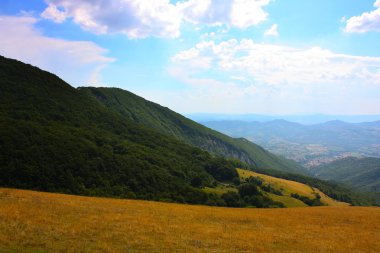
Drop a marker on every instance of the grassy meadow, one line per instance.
(288, 187)
(46, 222)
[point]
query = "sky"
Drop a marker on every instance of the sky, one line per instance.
(216, 56)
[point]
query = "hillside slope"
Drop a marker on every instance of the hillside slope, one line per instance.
(45, 222)
(284, 190)
(171, 123)
(55, 138)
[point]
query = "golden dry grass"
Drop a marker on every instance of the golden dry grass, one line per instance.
(44, 222)
(290, 187)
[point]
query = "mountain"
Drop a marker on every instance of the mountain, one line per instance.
(310, 145)
(173, 124)
(361, 173)
(56, 138)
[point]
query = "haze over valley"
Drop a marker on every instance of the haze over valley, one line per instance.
(310, 145)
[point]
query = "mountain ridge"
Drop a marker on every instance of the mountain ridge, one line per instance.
(169, 122)
(55, 138)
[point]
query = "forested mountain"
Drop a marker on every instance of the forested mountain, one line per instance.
(361, 173)
(171, 123)
(56, 138)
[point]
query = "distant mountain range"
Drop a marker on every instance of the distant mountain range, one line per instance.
(302, 119)
(311, 145)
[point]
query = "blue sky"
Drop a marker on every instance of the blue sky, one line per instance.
(232, 56)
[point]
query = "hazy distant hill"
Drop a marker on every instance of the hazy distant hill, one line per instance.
(171, 123)
(302, 119)
(308, 144)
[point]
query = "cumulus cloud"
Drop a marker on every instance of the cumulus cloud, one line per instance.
(80, 62)
(205, 12)
(237, 13)
(272, 31)
(241, 76)
(160, 18)
(135, 18)
(368, 21)
(246, 13)
(274, 64)
(53, 13)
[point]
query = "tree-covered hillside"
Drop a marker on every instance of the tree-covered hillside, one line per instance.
(361, 173)
(55, 138)
(171, 123)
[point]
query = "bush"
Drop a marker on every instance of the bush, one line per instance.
(248, 189)
(232, 199)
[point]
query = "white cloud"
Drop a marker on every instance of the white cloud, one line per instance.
(247, 13)
(238, 13)
(368, 21)
(135, 18)
(272, 31)
(160, 18)
(276, 65)
(80, 62)
(53, 13)
(243, 76)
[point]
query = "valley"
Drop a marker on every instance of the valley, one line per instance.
(310, 145)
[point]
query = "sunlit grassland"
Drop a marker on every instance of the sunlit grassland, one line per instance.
(44, 222)
(288, 187)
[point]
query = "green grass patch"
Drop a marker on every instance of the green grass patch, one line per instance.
(287, 200)
(220, 189)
